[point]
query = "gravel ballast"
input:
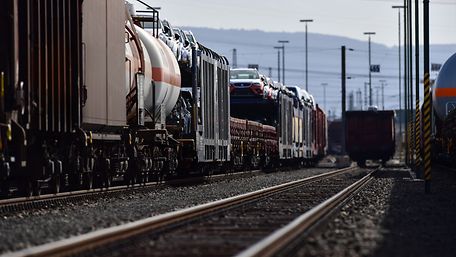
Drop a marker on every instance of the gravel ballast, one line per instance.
(391, 217)
(228, 232)
(24, 229)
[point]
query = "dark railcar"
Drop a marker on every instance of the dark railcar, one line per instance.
(40, 49)
(335, 137)
(370, 135)
(321, 137)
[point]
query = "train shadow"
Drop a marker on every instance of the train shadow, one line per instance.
(416, 223)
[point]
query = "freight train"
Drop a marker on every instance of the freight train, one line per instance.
(92, 93)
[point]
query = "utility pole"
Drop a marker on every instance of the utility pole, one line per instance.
(234, 58)
(307, 54)
(350, 101)
(401, 140)
(406, 91)
(343, 79)
(283, 59)
(359, 99)
(278, 60)
(377, 91)
(270, 72)
(324, 94)
(383, 84)
(369, 34)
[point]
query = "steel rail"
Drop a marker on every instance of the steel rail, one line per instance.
(69, 194)
(275, 242)
(102, 237)
(5, 203)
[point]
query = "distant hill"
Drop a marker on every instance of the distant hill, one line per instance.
(256, 47)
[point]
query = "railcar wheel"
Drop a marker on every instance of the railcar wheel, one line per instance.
(87, 182)
(27, 188)
(36, 188)
(172, 161)
(4, 189)
(132, 180)
(76, 181)
(143, 178)
(55, 184)
(361, 163)
(106, 181)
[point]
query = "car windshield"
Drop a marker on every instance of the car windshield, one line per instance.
(181, 34)
(293, 89)
(190, 37)
(244, 74)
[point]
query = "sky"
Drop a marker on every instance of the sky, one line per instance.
(349, 18)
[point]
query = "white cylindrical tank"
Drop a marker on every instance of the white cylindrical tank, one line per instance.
(161, 67)
(444, 92)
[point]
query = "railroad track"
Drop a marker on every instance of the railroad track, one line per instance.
(34, 202)
(285, 236)
(123, 237)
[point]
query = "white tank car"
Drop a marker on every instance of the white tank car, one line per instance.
(444, 92)
(160, 66)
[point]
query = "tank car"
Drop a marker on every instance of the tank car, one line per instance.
(444, 91)
(444, 105)
(199, 122)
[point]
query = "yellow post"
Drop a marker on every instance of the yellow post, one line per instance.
(2, 93)
(2, 84)
(427, 102)
(410, 144)
(417, 135)
(427, 132)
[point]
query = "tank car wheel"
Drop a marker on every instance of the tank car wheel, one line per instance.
(132, 180)
(55, 184)
(143, 179)
(172, 161)
(27, 188)
(106, 180)
(361, 163)
(161, 176)
(36, 188)
(76, 181)
(4, 189)
(87, 181)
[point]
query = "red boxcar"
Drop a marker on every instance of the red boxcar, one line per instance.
(370, 135)
(321, 137)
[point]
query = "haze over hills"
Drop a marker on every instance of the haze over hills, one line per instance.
(256, 47)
